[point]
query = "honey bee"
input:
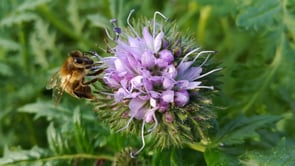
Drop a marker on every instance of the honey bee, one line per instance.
(71, 77)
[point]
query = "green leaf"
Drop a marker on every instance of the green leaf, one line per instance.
(98, 20)
(9, 44)
(48, 110)
(73, 13)
(5, 70)
(83, 144)
(216, 157)
(236, 131)
(257, 14)
(31, 4)
(283, 155)
(57, 140)
(18, 18)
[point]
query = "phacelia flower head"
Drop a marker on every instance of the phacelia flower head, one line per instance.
(157, 77)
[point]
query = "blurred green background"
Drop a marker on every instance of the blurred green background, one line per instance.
(255, 44)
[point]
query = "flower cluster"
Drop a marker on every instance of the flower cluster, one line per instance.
(152, 73)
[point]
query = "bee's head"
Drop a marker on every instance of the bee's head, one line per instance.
(79, 60)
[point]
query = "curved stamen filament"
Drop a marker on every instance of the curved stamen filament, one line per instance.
(155, 125)
(188, 54)
(108, 34)
(134, 154)
(202, 52)
(212, 71)
(130, 26)
(205, 60)
(205, 87)
(154, 21)
(127, 125)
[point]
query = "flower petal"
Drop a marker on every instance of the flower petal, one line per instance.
(136, 82)
(168, 83)
(181, 68)
(192, 73)
(147, 59)
(148, 38)
(181, 98)
(193, 85)
(137, 108)
(120, 95)
(167, 56)
(149, 116)
(158, 42)
(182, 84)
(170, 71)
(161, 63)
(153, 102)
(168, 96)
(163, 106)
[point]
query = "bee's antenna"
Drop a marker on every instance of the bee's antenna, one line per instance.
(93, 53)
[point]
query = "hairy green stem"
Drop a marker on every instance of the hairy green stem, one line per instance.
(197, 147)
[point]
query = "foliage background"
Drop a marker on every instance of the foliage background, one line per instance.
(255, 43)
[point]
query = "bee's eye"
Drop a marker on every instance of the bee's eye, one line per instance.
(78, 60)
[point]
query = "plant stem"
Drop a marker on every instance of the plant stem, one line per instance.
(198, 147)
(65, 157)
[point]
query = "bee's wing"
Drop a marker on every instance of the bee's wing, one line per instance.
(54, 81)
(57, 94)
(55, 84)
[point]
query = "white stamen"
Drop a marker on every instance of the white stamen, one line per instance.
(200, 53)
(188, 54)
(205, 87)
(127, 125)
(130, 26)
(134, 154)
(108, 34)
(154, 21)
(155, 125)
(212, 71)
(205, 60)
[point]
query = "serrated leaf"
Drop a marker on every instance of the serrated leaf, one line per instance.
(18, 18)
(215, 157)
(241, 128)
(31, 4)
(23, 157)
(56, 140)
(48, 110)
(283, 155)
(9, 44)
(259, 14)
(73, 13)
(40, 36)
(81, 137)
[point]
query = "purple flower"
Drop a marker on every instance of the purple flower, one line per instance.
(141, 70)
(146, 71)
